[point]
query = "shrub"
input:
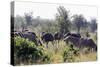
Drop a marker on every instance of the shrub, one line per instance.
(69, 53)
(27, 52)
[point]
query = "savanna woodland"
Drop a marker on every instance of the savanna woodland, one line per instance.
(67, 38)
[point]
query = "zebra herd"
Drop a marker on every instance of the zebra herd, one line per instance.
(46, 37)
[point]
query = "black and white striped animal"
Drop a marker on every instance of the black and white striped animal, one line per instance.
(47, 37)
(72, 34)
(81, 42)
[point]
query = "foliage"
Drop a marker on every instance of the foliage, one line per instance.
(29, 18)
(69, 53)
(63, 19)
(79, 22)
(19, 22)
(27, 52)
(93, 25)
(63, 22)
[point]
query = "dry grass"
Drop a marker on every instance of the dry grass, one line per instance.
(56, 54)
(86, 57)
(57, 50)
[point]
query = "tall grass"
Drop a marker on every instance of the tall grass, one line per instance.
(58, 53)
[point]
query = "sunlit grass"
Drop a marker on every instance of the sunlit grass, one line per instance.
(86, 57)
(57, 50)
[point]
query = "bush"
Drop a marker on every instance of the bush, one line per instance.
(69, 53)
(26, 52)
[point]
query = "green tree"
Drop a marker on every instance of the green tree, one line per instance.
(63, 20)
(19, 22)
(93, 25)
(79, 22)
(29, 18)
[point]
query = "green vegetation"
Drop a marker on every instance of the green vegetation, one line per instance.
(69, 53)
(26, 52)
(63, 22)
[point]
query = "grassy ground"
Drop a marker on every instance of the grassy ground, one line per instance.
(57, 50)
